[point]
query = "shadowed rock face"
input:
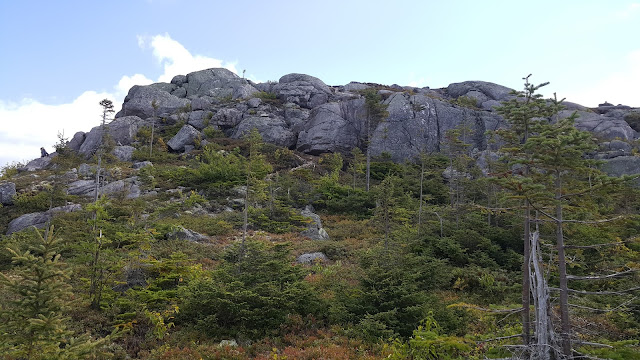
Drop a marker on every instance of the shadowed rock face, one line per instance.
(419, 123)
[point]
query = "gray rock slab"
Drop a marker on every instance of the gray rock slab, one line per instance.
(355, 86)
(273, 130)
(185, 234)
(623, 165)
(38, 219)
(141, 164)
(602, 126)
(217, 83)
(138, 102)
(39, 163)
(129, 187)
(491, 90)
(314, 227)
(304, 90)
(123, 153)
(226, 118)
(76, 141)
(122, 130)
(333, 127)
(7, 192)
(310, 258)
(186, 136)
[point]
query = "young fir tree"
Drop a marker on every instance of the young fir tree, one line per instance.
(154, 105)
(520, 113)
(457, 149)
(107, 109)
(256, 169)
(356, 165)
(549, 170)
(33, 324)
(558, 164)
(97, 254)
(376, 112)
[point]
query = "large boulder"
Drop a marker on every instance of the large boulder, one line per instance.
(186, 136)
(7, 192)
(39, 163)
(355, 86)
(122, 130)
(180, 233)
(123, 153)
(606, 127)
(623, 165)
(311, 258)
(333, 127)
(226, 118)
(138, 102)
(304, 90)
(82, 188)
(76, 141)
(314, 230)
(481, 90)
(38, 219)
(217, 83)
(419, 123)
(199, 119)
(128, 187)
(273, 130)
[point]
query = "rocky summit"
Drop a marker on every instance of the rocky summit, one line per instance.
(301, 112)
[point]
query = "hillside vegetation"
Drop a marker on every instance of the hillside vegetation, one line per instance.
(242, 249)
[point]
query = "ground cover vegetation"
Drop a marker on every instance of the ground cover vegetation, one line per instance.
(427, 259)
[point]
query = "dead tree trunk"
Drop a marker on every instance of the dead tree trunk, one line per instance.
(544, 333)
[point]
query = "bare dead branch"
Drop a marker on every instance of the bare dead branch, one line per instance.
(604, 310)
(582, 292)
(592, 344)
(491, 310)
(600, 245)
(602, 277)
(499, 338)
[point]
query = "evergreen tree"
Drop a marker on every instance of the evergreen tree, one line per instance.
(376, 112)
(558, 163)
(356, 164)
(154, 105)
(520, 113)
(33, 324)
(107, 108)
(256, 169)
(549, 170)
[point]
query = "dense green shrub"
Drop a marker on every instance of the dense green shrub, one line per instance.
(250, 294)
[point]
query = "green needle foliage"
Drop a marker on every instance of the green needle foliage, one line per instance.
(33, 323)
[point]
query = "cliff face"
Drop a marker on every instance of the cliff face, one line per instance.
(301, 112)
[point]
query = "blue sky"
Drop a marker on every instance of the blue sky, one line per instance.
(60, 58)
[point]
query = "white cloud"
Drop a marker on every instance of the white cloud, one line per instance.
(618, 88)
(30, 124)
(126, 82)
(177, 60)
(629, 11)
